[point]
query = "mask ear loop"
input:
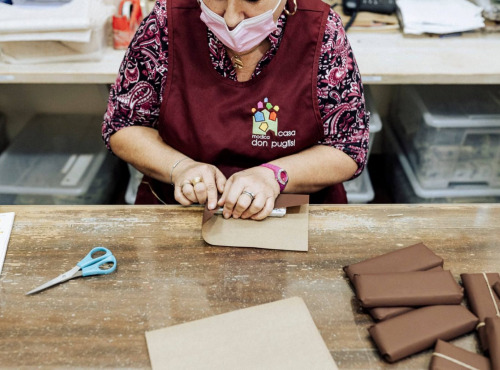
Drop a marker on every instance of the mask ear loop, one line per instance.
(287, 12)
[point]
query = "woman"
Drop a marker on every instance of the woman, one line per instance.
(242, 99)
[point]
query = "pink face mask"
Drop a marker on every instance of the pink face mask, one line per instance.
(246, 35)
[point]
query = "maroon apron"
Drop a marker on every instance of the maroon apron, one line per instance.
(236, 125)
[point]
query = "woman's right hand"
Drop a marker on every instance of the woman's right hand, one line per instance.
(197, 182)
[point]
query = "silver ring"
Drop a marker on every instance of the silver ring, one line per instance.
(251, 195)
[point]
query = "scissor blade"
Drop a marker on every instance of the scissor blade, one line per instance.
(74, 272)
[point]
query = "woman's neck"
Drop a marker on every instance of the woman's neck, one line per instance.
(246, 63)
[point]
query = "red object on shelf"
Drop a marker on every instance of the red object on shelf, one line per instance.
(125, 24)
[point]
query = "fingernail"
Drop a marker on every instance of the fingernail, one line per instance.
(211, 206)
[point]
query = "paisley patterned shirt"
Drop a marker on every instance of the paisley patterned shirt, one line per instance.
(135, 98)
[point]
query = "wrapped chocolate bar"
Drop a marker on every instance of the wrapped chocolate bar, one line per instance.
(384, 313)
(492, 329)
(419, 329)
(413, 258)
(446, 356)
(482, 299)
(496, 288)
(414, 289)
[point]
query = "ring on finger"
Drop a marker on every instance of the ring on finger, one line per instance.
(250, 194)
(196, 180)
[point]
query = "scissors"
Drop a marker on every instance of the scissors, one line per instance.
(86, 267)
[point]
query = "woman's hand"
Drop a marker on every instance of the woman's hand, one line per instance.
(250, 194)
(197, 182)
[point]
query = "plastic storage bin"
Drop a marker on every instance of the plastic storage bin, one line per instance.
(363, 192)
(133, 184)
(101, 190)
(3, 133)
(406, 187)
(450, 135)
(360, 189)
(53, 155)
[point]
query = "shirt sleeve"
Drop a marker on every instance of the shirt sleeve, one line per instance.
(135, 97)
(340, 95)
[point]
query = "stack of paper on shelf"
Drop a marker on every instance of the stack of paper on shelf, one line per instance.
(73, 31)
(439, 16)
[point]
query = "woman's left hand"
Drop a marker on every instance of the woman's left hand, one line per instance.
(250, 194)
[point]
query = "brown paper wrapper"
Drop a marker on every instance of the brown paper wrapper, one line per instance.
(446, 356)
(492, 329)
(419, 329)
(413, 258)
(480, 300)
(384, 313)
(496, 288)
(414, 289)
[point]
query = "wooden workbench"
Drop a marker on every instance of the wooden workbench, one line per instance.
(167, 275)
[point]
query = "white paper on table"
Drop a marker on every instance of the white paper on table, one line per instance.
(439, 16)
(6, 223)
(277, 335)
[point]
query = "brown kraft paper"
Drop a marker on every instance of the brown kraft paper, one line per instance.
(419, 329)
(481, 299)
(417, 288)
(284, 233)
(446, 356)
(384, 313)
(413, 258)
(496, 288)
(492, 329)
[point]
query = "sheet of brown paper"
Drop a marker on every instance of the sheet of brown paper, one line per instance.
(492, 329)
(479, 298)
(278, 335)
(446, 356)
(414, 288)
(419, 329)
(416, 257)
(285, 233)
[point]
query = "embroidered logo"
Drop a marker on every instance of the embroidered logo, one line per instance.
(265, 118)
(265, 121)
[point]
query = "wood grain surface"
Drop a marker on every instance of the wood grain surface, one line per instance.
(168, 275)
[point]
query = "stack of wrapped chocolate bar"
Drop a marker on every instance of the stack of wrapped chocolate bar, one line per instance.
(418, 305)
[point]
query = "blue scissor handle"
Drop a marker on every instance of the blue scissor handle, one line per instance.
(92, 266)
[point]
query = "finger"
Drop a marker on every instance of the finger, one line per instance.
(257, 205)
(220, 180)
(180, 197)
(233, 193)
(244, 201)
(200, 191)
(266, 211)
(211, 191)
(188, 191)
(227, 188)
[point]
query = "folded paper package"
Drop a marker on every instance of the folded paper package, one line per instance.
(446, 356)
(417, 257)
(496, 288)
(384, 313)
(73, 31)
(418, 288)
(416, 303)
(482, 299)
(492, 328)
(413, 258)
(415, 331)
